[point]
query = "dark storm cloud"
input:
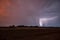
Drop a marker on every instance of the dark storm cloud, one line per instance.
(28, 12)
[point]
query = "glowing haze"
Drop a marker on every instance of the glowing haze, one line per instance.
(46, 20)
(28, 12)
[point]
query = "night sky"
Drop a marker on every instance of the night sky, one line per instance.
(28, 12)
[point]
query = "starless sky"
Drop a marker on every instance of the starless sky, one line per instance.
(28, 12)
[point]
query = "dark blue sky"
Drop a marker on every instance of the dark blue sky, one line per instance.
(28, 12)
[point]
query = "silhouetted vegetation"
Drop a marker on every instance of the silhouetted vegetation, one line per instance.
(20, 26)
(26, 26)
(12, 26)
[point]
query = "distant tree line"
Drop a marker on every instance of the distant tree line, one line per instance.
(12, 26)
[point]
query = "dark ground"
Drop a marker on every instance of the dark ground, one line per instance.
(29, 33)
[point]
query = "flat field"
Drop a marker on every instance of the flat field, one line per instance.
(18, 33)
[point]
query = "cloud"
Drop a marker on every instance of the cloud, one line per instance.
(27, 12)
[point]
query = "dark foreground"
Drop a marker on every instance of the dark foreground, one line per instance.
(29, 33)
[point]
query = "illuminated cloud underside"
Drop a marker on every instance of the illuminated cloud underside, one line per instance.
(44, 21)
(27, 12)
